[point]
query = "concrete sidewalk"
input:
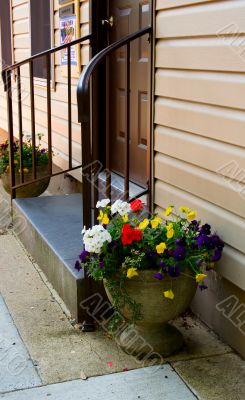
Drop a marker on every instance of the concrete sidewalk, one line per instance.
(60, 352)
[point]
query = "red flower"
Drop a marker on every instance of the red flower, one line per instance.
(129, 235)
(136, 205)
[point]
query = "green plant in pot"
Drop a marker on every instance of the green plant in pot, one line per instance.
(151, 266)
(42, 159)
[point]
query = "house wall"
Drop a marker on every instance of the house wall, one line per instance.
(199, 140)
(59, 96)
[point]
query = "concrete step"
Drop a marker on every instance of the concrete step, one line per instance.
(51, 233)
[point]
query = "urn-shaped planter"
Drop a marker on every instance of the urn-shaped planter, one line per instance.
(153, 335)
(32, 190)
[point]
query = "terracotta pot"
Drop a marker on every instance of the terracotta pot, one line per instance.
(32, 190)
(153, 334)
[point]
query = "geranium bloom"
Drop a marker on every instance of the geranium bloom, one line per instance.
(102, 203)
(160, 248)
(120, 207)
(200, 277)
(129, 234)
(131, 272)
(144, 224)
(155, 222)
(169, 294)
(168, 211)
(191, 215)
(136, 205)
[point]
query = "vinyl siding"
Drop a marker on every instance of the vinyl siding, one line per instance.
(200, 118)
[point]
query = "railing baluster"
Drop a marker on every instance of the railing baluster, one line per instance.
(48, 65)
(11, 133)
(20, 125)
(69, 106)
(33, 127)
(127, 133)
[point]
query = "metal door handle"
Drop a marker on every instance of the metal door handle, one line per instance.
(109, 21)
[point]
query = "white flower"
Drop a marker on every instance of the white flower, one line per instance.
(121, 207)
(84, 230)
(95, 237)
(102, 203)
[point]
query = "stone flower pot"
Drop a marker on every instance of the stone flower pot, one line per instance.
(32, 190)
(153, 334)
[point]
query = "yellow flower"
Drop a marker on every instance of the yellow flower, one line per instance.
(125, 218)
(144, 224)
(26, 170)
(169, 294)
(170, 231)
(101, 215)
(105, 220)
(191, 215)
(16, 162)
(131, 272)
(184, 209)
(168, 211)
(200, 277)
(160, 248)
(155, 222)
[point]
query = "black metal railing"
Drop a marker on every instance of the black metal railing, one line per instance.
(89, 136)
(7, 74)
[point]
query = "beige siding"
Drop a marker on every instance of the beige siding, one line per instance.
(199, 117)
(21, 44)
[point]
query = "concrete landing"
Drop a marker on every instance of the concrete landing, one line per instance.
(153, 383)
(16, 368)
(52, 235)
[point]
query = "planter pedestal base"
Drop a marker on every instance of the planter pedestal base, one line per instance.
(150, 340)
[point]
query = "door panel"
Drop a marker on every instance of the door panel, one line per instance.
(129, 16)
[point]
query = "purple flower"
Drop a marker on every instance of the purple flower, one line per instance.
(209, 243)
(202, 287)
(174, 271)
(102, 264)
(201, 240)
(78, 266)
(217, 255)
(194, 225)
(218, 243)
(158, 276)
(205, 229)
(181, 241)
(179, 253)
(43, 151)
(84, 254)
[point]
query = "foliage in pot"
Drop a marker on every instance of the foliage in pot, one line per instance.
(42, 158)
(151, 266)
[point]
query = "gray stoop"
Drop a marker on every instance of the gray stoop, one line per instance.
(52, 235)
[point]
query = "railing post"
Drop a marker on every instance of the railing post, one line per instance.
(10, 133)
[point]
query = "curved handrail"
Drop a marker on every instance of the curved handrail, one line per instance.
(83, 84)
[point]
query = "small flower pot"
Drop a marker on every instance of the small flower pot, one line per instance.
(152, 336)
(32, 190)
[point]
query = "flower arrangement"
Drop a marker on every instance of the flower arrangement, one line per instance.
(41, 155)
(128, 240)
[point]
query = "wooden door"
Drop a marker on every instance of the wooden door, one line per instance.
(130, 16)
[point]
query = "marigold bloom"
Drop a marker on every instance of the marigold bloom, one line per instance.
(200, 277)
(184, 209)
(155, 222)
(144, 224)
(131, 272)
(160, 248)
(169, 294)
(191, 215)
(168, 211)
